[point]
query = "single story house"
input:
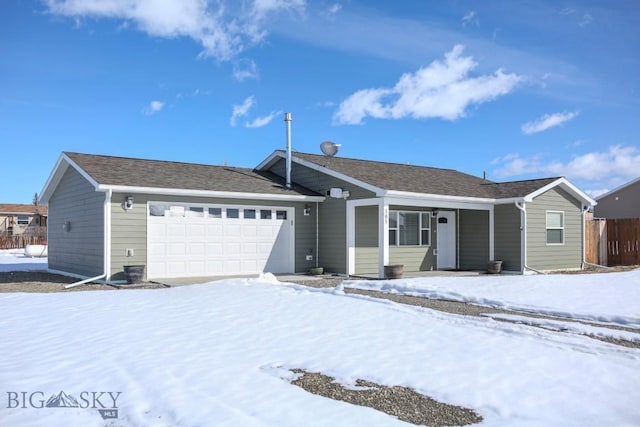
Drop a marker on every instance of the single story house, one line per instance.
(621, 202)
(18, 219)
(291, 213)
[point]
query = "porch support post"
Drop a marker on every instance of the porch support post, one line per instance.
(383, 236)
(351, 237)
(491, 234)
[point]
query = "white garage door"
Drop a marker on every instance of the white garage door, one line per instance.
(218, 240)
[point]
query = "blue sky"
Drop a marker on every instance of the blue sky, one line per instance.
(516, 89)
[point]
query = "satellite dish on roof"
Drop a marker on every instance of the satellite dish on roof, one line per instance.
(329, 148)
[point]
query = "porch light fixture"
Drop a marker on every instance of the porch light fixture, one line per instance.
(128, 203)
(307, 210)
(434, 213)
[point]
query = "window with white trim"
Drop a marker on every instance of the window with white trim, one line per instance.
(409, 228)
(23, 219)
(555, 228)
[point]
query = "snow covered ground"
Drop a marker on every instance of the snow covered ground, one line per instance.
(219, 353)
(15, 260)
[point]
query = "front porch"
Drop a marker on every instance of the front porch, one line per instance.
(429, 237)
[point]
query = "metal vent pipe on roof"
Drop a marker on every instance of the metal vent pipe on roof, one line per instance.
(287, 119)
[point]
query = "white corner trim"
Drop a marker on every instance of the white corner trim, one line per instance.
(209, 193)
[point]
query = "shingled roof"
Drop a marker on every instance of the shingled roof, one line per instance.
(13, 208)
(422, 179)
(131, 172)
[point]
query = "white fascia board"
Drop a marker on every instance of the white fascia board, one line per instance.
(269, 161)
(509, 201)
(564, 183)
(208, 193)
(56, 175)
(438, 200)
(438, 203)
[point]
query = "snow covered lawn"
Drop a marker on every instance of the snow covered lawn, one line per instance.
(607, 297)
(15, 260)
(218, 354)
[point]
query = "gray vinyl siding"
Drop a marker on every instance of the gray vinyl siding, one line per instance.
(79, 250)
(415, 258)
(542, 256)
(129, 228)
(333, 212)
(624, 203)
(366, 245)
(508, 237)
(473, 239)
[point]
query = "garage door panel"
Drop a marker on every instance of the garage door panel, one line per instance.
(232, 249)
(176, 230)
(214, 244)
(176, 249)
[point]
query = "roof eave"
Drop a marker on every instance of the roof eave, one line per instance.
(210, 193)
(437, 197)
(61, 166)
(277, 155)
(566, 185)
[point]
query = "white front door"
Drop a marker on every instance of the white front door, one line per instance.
(446, 239)
(218, 240)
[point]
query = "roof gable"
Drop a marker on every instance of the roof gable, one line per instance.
(141, 175)
(385, 177)
(632, 183)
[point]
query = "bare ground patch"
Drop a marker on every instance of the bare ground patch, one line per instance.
(44, 282)
(402, 402)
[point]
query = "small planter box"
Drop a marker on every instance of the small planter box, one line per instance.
(495, 267)
(393, 271)
(133, 273)
(316, 271)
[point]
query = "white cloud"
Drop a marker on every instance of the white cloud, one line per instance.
(221, 31)
(470, 17)
(586, 20)
(262, 121)
(610, 168)
(548, 121)
(440, 90)
(334, 8)
(153, 107)
(245, 69)
(241, 110)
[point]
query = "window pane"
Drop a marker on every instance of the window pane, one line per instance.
(392, 238)
(393, 219)
(554, 219)
(265, 214)
(215, 212)
(426, 219)
(233, 213)
(425, 238)
(281, 214)
(157, 210)
(554, 236)
(409, 231)
(23, 219)
(249, 213)
(197, 212)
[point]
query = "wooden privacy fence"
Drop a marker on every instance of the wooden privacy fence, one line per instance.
(595, 231)
(16, 242)
(612, 241)
(623, 238)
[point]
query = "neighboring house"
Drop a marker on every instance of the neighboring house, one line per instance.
(351, 216)
(622, 202)
(18, 219)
